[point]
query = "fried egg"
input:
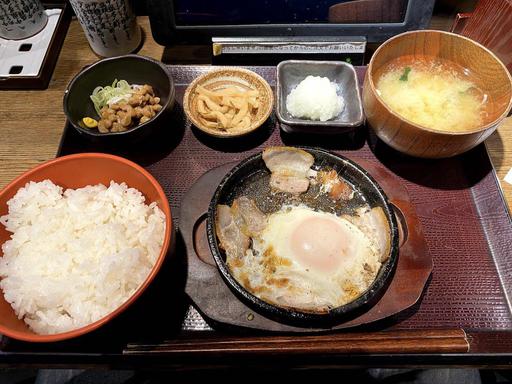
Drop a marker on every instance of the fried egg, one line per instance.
(308, 260)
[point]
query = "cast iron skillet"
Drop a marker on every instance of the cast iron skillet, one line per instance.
(251, 178)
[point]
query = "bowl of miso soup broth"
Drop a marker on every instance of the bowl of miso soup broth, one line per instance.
(435, 94)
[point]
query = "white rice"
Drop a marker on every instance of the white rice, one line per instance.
(315, 98)
(76, 256)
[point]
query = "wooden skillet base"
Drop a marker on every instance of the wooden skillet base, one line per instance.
(218, 304)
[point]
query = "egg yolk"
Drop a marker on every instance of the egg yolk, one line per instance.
(319, 243)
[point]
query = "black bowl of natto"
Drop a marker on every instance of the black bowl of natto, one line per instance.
(135, 69)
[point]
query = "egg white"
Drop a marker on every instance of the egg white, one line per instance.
(308, 260)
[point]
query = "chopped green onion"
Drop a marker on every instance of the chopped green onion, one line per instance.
(101, 96)
(405, 75)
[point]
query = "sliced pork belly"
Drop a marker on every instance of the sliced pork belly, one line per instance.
(236, 225)
(290, 168)
(374, 223)
(253, 219)
(229, 232)
(290, 184)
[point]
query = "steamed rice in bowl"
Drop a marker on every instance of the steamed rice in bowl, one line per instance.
(76, 255)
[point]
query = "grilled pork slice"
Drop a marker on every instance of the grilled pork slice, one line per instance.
(374, 223)
(236, 225)
(289, 167)
(229, 232)
(254, 221)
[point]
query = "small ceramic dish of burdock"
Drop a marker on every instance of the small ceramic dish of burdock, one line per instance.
(228, 102)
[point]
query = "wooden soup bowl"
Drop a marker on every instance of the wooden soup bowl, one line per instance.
(490, 75)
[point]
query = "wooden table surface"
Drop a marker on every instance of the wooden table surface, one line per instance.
(33, 121)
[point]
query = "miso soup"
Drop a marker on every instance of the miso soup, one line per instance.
(433, 93)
